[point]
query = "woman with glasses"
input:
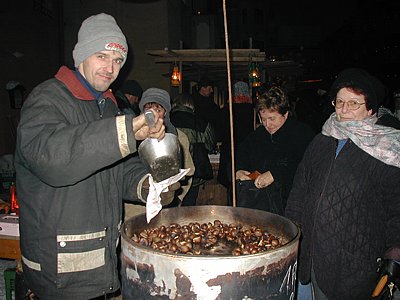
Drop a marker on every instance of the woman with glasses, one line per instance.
(346, 198)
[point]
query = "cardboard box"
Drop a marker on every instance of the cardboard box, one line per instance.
(9, 225)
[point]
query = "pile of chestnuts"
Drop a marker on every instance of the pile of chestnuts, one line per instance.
(215, 238)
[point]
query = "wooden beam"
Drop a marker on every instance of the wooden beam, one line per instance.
(207, 55)
(206, 59)
(204, 52)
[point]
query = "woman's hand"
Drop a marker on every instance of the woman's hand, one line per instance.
(242, 175)
(264, 180)
(142, 130)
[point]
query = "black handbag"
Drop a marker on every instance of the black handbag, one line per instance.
(267, 199)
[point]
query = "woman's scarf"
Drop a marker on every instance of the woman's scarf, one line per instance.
(379, 141)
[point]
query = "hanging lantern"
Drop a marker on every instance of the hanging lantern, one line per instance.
(175, 76)
(254, 74)
(14, 199)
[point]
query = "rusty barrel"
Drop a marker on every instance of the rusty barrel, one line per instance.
(151, 274)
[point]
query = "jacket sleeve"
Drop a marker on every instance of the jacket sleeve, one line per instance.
(283, 168)
(135, 174)
(64, 141)
(209, 137)
(244, 155)
(391, 201)
(296, 200)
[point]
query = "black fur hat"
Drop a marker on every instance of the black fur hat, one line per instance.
(204, 82)
(372, 88)
(132, 87)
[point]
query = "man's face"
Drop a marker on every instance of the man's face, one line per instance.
(206, 91)
(272, 120)
(133, 100)
(101, 69)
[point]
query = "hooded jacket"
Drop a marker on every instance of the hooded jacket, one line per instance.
(73, 167)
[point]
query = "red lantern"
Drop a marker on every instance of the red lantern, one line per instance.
(175, 76)
(14, 200)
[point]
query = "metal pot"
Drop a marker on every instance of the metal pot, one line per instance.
(161, 157)
(150, 274)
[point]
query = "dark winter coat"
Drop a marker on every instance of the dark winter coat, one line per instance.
(279, 153)
(124, 105)
(70, 182)
(208, 110)
(243, 125)
(349, 212)
(196, 129)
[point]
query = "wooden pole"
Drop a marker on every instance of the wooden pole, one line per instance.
(230, 105)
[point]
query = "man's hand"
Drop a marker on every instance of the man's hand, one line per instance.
(168, 196)
(142, 130)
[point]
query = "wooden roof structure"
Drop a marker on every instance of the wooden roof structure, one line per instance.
(196, 63)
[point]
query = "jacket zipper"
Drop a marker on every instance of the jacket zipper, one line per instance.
(101, 103)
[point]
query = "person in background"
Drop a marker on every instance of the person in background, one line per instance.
(387, 118)
(273, 150)
(128, 97)
(197, 130)
(385, 113)
(206, 108)
(346, 197)
(243, 124)
(160, 101)
(73, 169)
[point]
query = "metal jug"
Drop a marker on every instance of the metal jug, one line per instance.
(161, 157)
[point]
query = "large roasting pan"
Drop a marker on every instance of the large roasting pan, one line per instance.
(150, 274)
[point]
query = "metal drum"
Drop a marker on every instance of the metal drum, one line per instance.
(150, 274)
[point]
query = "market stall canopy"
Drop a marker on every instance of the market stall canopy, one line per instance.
(212, 62)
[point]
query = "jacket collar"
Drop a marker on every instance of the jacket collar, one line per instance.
(182, 108)
(68, 77)
(281, 131)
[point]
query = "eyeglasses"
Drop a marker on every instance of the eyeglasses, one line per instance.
(351, 104)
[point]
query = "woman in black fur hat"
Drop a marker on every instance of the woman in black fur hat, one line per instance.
(345, 197)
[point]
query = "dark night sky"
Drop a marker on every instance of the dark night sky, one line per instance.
(350, 33)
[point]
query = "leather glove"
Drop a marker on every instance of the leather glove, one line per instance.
(389, 279)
